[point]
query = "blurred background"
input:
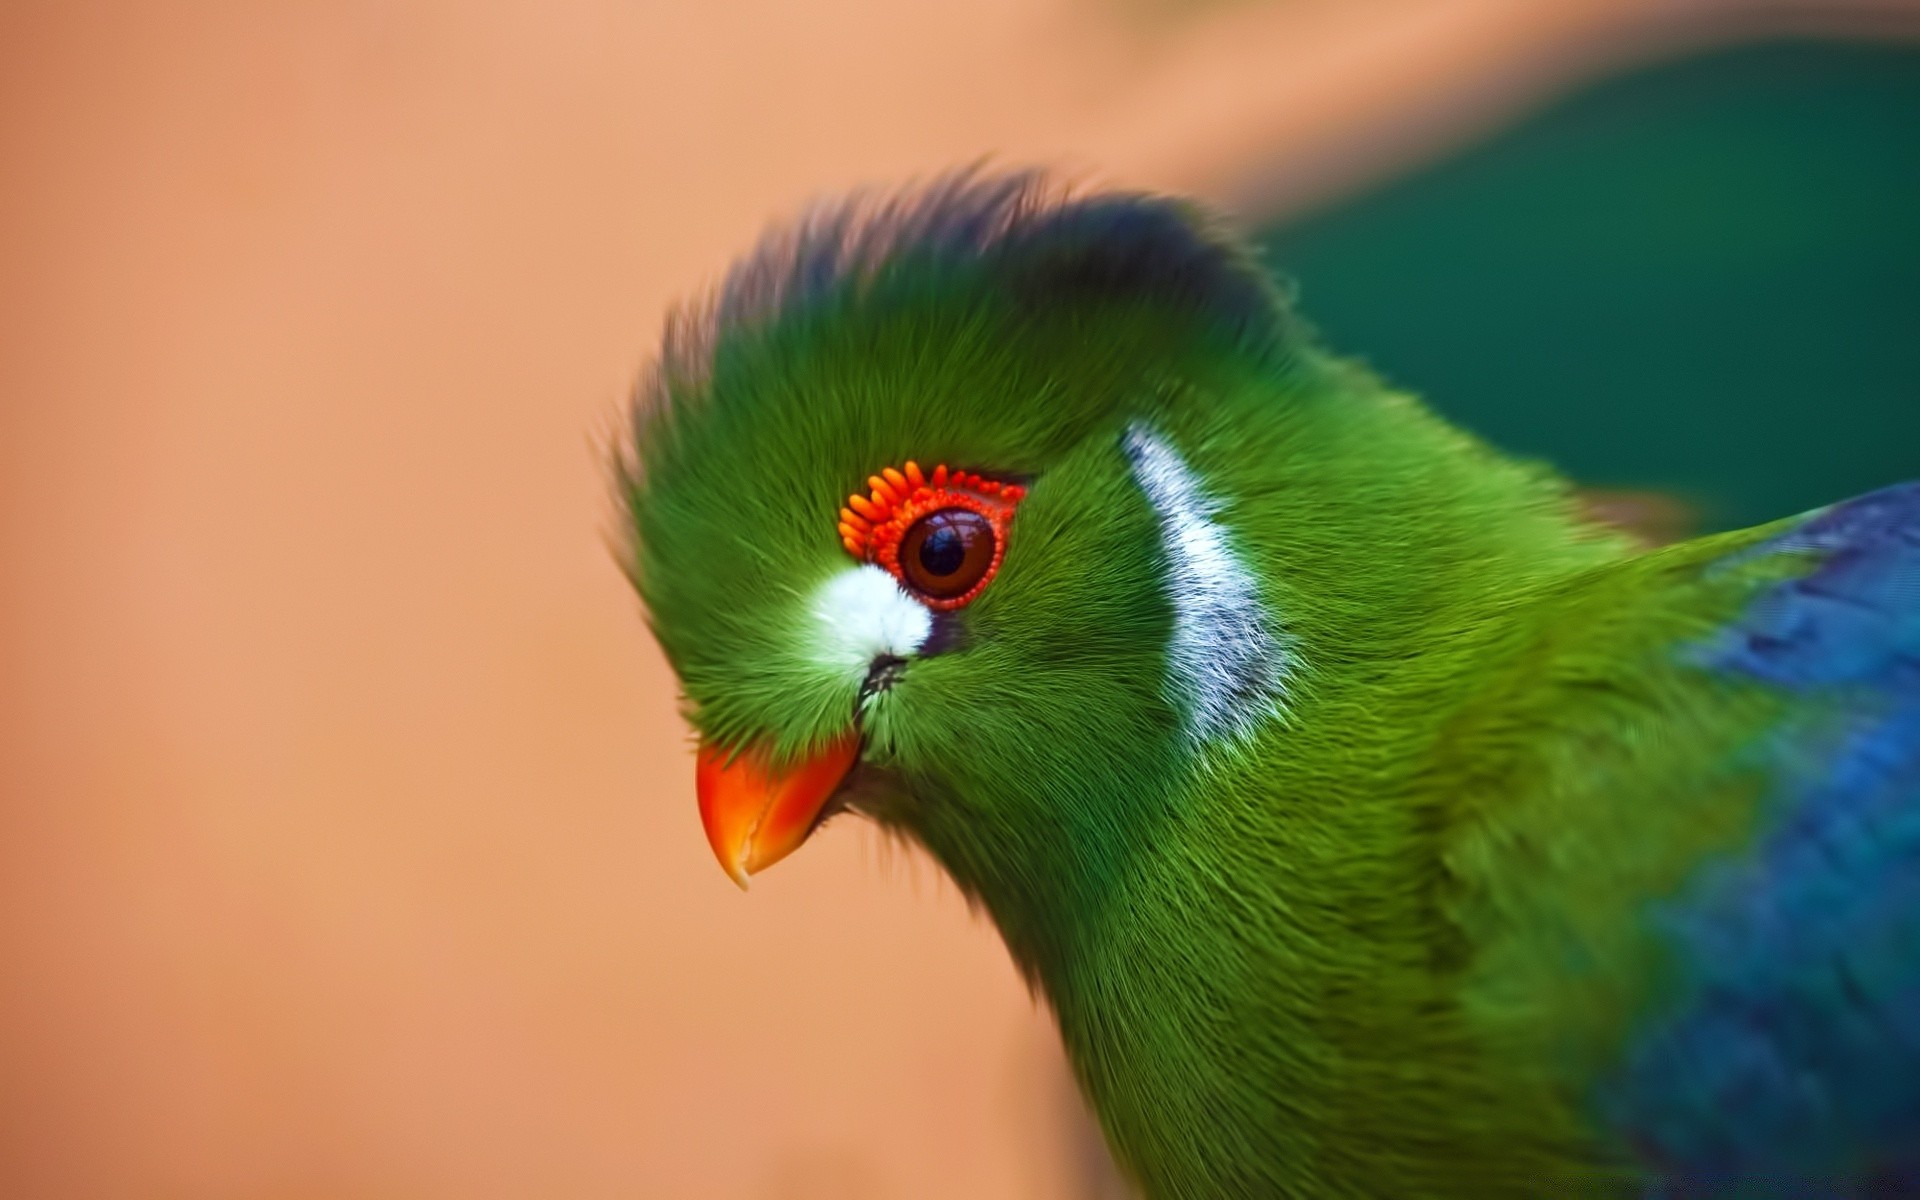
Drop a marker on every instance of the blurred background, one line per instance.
(347, 837)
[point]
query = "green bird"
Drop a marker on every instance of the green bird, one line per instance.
(1373, 821)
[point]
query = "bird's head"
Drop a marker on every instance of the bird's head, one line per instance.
(912, 523)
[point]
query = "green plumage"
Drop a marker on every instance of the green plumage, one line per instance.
(1388, 945)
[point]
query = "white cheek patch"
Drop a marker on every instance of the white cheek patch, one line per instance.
(860, 614)
(1227, 665)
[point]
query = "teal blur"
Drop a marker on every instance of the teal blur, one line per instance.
(1702, 277)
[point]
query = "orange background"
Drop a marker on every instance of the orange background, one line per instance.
(349, 846)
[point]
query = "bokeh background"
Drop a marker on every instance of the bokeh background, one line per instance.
(347, 839)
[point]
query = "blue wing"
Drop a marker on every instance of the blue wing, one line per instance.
(1793, 1067)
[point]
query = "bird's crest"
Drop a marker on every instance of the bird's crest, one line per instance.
(1040, 239)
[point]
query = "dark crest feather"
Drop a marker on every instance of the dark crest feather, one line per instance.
(1043, 242)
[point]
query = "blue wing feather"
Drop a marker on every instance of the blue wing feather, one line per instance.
(1793, 1066)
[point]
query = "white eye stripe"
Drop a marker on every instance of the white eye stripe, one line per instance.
(859, 614)
(1226, 665)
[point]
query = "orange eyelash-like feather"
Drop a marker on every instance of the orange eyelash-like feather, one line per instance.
(873, 522)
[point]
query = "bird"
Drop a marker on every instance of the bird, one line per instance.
(1373, 821)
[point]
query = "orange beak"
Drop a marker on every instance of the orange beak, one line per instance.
(755, 817)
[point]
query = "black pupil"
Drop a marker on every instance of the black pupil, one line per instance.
(943, 551)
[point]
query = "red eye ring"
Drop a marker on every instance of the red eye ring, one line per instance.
(873, 525)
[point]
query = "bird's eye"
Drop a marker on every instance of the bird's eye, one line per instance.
(941, 534)
(946, 552)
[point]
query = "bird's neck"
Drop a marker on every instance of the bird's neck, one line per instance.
(1254, 965)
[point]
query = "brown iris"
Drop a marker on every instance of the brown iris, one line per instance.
(941, 535)
(945, 553)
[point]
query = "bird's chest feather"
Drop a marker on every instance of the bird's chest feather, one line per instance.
(1268, 1008)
